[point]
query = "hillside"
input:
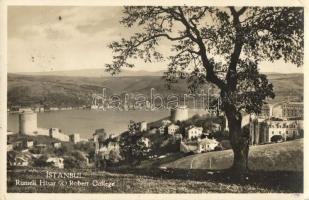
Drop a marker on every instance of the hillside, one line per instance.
(96, 72)
(287, 156)
(28, 90)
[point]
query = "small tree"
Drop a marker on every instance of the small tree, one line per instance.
(222, 46)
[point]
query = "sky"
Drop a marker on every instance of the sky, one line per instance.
(57, 38)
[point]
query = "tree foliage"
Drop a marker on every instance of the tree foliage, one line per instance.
(223, 46)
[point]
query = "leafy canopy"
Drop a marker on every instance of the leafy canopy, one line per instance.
(220, 45)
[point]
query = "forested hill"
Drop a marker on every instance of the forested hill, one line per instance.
(26, 90)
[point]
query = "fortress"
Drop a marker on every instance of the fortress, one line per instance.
(181, 113)
(28, 124)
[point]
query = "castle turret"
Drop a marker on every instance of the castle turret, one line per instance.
(181, 113)
(28, 123)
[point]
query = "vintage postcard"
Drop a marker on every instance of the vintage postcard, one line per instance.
(147, 98)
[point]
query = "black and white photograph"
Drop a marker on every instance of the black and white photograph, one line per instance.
(154, 99)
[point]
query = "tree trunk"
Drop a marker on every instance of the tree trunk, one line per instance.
(239, 142)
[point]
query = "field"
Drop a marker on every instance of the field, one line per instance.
(285, 175)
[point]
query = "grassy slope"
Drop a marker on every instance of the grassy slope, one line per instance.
(156, 181)
(286, 156)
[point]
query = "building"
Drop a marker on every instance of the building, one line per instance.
(75, 138)
(287, 110)
(104, 148)
(56, 134)
(28, 143)
(28, 124)
(56, 145)
(194, 132)
(180, 113)
(206, 144)
(171, 129)
(56, 162)
(99, 136)
(287, 129)
(143, 126)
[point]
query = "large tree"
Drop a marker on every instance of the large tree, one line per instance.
(218, 45)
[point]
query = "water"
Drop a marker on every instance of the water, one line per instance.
(86, 121)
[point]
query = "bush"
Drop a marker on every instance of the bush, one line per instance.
(277, 138)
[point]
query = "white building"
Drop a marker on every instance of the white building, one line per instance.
(207, 144)
(171, 129)
(143, 126)
(194, 132)
(287, 129)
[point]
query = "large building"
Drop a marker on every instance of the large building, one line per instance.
(287, 129)
(262, 131)
(28, 123)
(180, 113)
(287, 110)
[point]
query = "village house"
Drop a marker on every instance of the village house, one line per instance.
(171, 129)
(206, 144)
(56, 145)
(28, 143)
(194, 132)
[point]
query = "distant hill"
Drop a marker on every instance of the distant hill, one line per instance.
(93, 73)
(27, 90)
